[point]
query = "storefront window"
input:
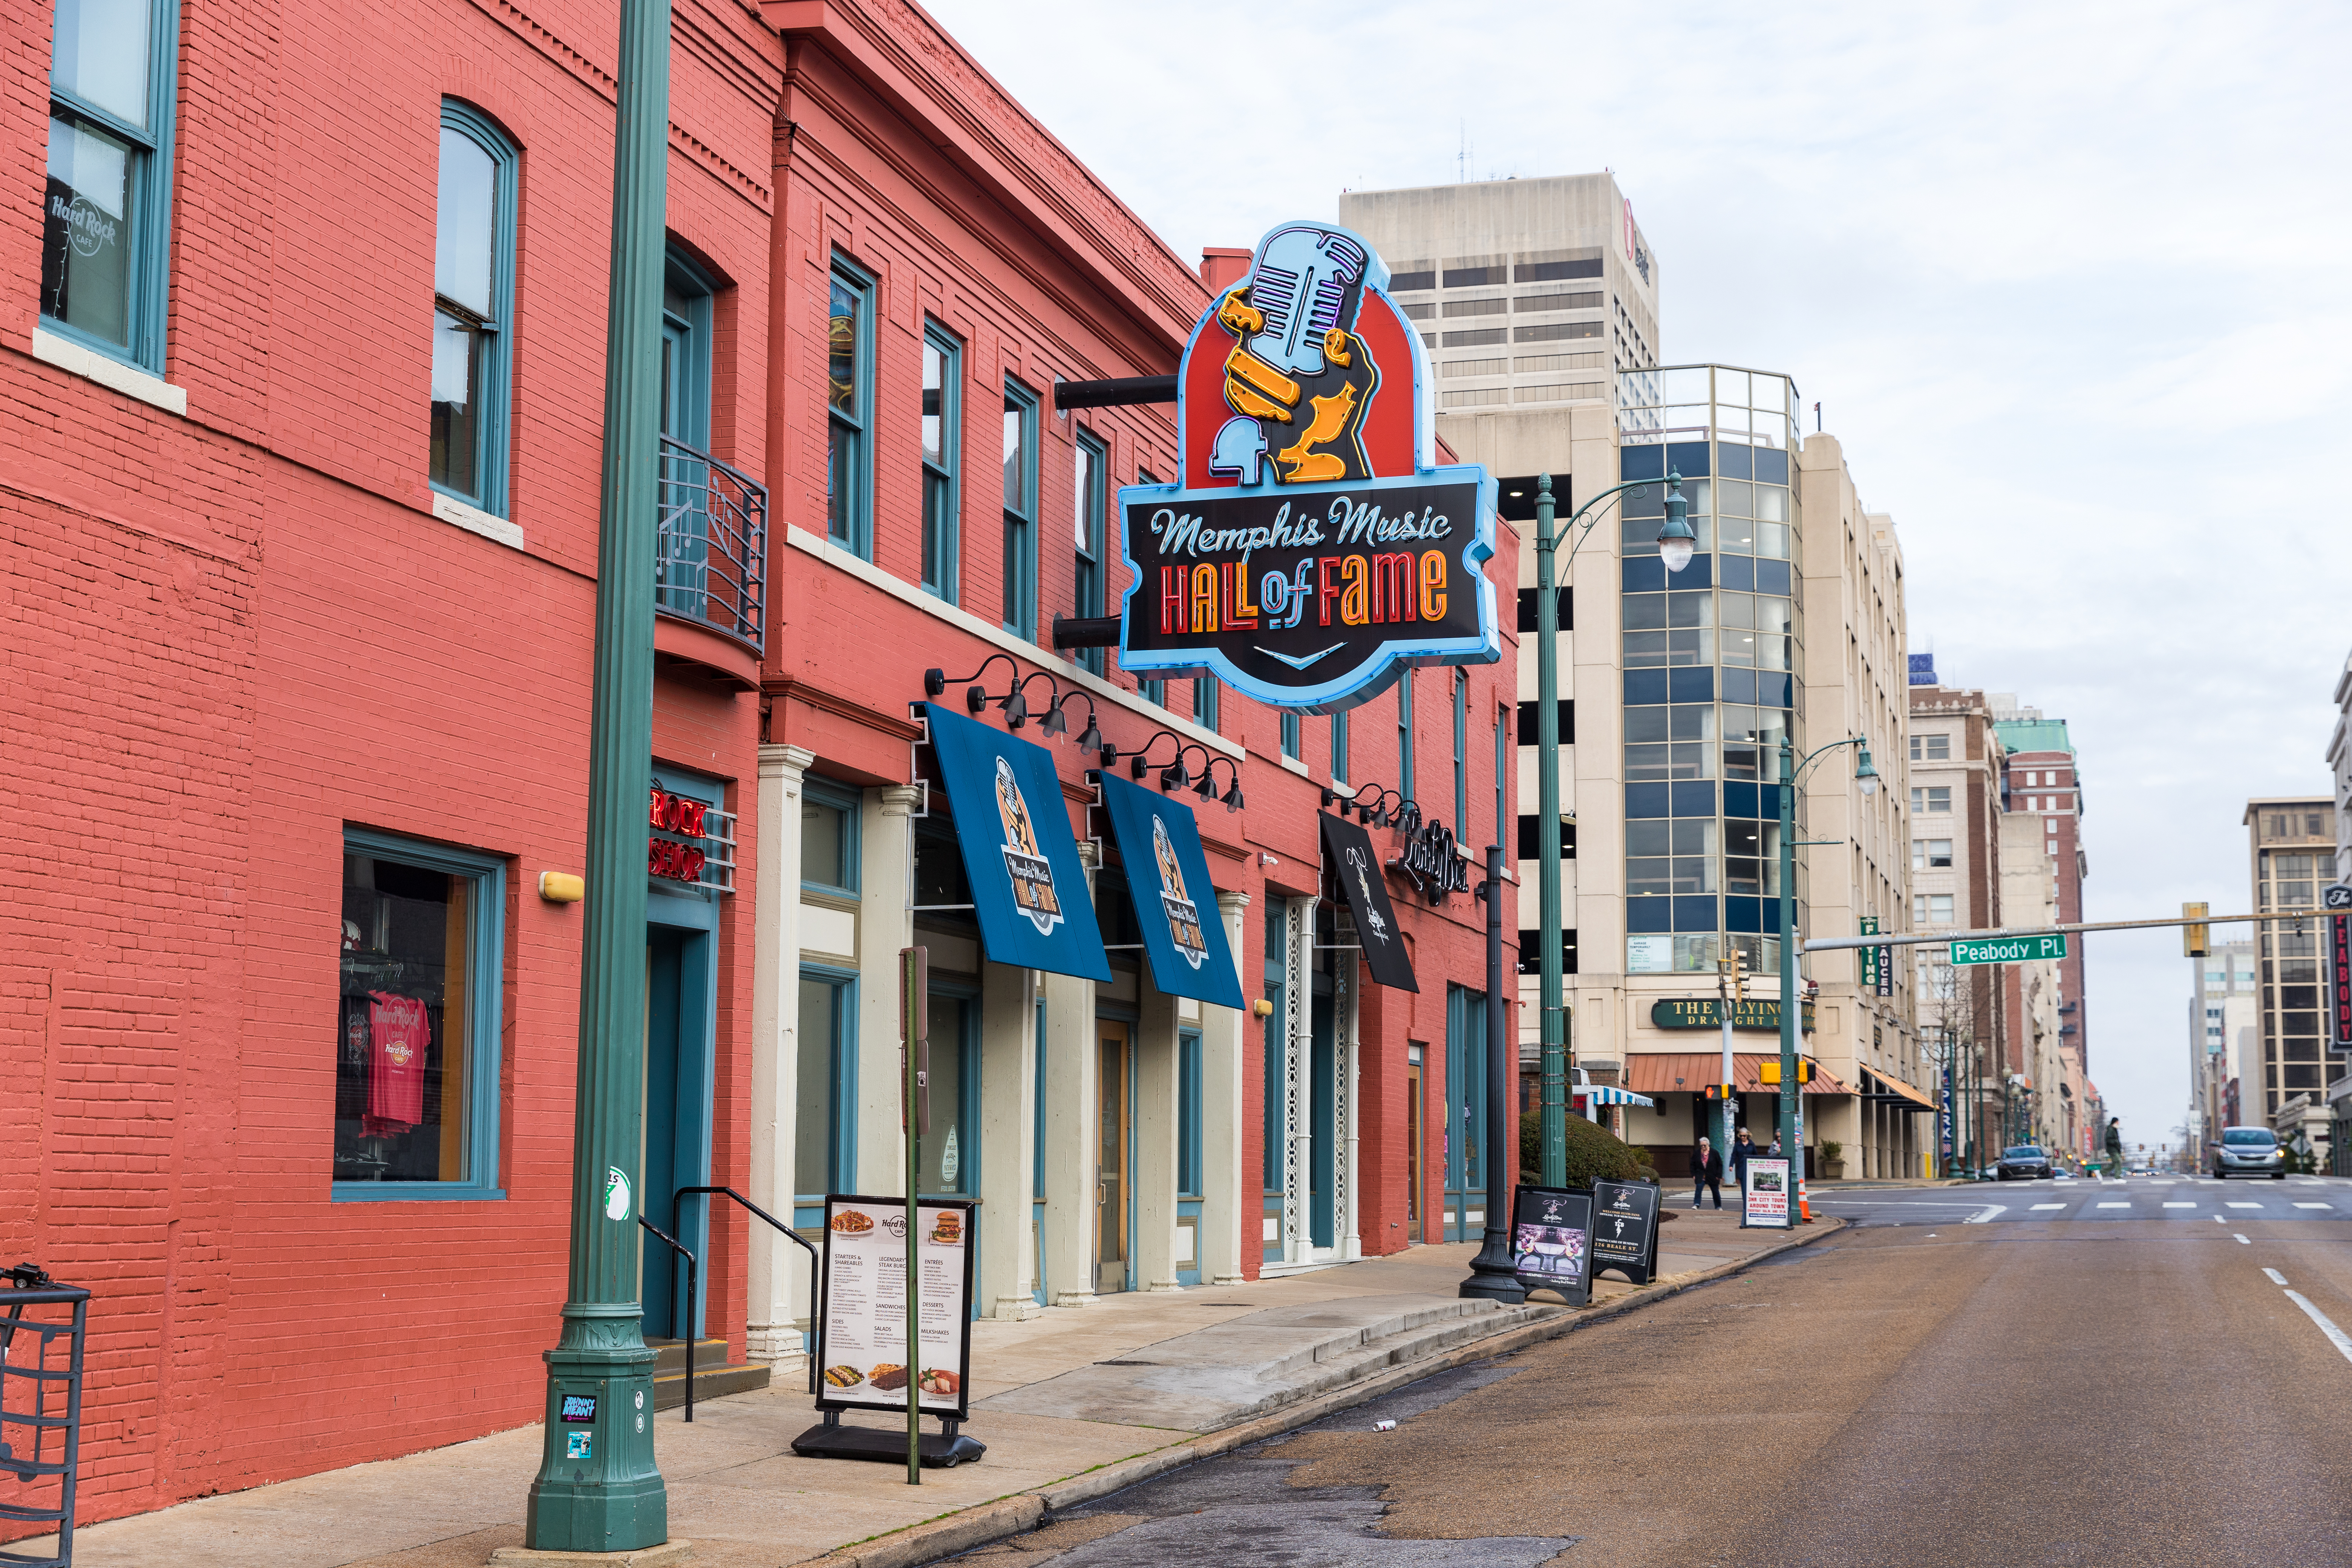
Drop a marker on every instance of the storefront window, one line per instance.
(828, 1065)
(946, 1160)
(417, 1040)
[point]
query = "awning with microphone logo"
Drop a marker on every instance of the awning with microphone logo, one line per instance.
(1028, 889)
(1167, 876)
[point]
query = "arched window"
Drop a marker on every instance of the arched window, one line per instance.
(473, 309)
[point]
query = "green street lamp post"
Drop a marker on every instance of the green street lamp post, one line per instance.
(597, 1487)
(1675, 543)
(1792, 1117)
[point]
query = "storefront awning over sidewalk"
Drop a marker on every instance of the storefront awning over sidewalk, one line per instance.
(1608, 1094)
(1175, 907)
(1895, 1089)
(1689, 1072)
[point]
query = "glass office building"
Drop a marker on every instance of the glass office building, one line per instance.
(1711, 663)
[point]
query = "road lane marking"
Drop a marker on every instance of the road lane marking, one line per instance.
(2219, 1220)
(2239, 1206)
(2040, 1206)
(1990, 1212)
(2335, 1336)
(2123, 1205)
(2315, 1205)
(2180, 1206)
(2242, 1238)
(2276, 1278)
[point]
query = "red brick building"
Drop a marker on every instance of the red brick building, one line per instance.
(303, 436)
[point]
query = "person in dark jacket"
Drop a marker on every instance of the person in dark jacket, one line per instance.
(1706, 1173)
(1741, 1153)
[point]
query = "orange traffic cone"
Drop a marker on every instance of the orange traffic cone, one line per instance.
(1803, 1207)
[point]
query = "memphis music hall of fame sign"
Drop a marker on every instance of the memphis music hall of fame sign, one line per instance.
(1312, 547)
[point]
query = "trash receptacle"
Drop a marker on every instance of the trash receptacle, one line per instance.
(41, 1327)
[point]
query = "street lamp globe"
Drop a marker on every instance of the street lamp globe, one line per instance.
(1675, 540)
(1865, 774)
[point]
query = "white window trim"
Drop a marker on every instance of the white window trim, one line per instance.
(70, 356)
(1069, 674)
(474, 519)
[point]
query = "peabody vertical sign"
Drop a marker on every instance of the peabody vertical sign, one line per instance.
(1312, 547)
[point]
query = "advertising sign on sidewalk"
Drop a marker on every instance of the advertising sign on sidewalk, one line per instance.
(861, 1341)
(1625, 1229)
(1764, 1197)
(1552, 1241)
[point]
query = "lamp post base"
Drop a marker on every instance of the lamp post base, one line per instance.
(597, 1487)
(1492, 1277)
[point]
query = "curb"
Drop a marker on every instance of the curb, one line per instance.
(985, 1523)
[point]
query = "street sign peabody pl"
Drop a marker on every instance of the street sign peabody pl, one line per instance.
(2010, 949)
(1312, 547)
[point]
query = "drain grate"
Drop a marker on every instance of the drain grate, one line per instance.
(1127, 1364)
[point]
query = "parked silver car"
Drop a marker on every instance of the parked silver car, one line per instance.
(2248, 1151)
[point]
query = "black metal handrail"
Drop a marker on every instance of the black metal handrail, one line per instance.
(814, 1264)
(693, 1297)
(710, 555)
(30, 1286)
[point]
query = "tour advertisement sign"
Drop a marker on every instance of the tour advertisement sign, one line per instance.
(1551, 1241)
(1764, 1196)
(1312, 547)
(861, 1341)
(1625, 1229)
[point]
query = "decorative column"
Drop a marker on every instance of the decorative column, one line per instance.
(1298, 1060)
(885, 889)
(1153, 1162)
(1232, 1210)
(598, 1489)
(777, 1291)
(1071, 1065)
(1347, 996)
(1008, 1142)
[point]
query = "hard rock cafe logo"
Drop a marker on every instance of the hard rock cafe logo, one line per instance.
(1183, 915)
(1032, 874)
(1298, 378)
(1360, 868)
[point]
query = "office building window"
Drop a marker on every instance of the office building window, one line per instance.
(1474, 276)
(1933, 749)
(1556, 303)
(1406, 282)
(1931, 854)
(1019, 510)
(1554, 331)
(942, 459)
(1934, 799)
(1091, 500)
(417, 1031)
(1931, 908)
(849, 400)
(106, 208)
(473, 309)
(1477, 337)
(1553, 271)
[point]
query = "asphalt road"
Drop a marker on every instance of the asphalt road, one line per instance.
(1939, 1385)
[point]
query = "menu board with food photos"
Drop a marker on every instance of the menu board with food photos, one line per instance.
(862, 1322)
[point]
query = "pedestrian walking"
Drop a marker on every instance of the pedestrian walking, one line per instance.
(1741, 1153)
(1706, 1171)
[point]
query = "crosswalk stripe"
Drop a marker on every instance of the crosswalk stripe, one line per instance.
(2039, 1207)
(2245, 1205)
(2315, 1205)
(2114, 1206)
(2180, 1206)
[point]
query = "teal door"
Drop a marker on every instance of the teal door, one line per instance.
(1465, 1113)
(678, 1022)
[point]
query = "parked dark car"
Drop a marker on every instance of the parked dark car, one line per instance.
(2024, 1163)
(2248, 1151)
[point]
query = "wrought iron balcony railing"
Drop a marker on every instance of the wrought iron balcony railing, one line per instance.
(711, 564)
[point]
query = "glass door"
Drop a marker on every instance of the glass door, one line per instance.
(1413, 1145)
(1111, 1159)
(683, 555)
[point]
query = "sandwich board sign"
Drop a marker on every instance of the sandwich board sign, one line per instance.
(1764, 1196)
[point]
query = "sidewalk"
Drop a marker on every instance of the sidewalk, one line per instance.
(1236, 1362)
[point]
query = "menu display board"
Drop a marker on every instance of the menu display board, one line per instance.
(1764, 1196)
(862, 1320)
(1551, 1241)
(1625, 1229)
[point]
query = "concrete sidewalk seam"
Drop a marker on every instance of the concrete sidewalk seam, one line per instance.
(992, 1522)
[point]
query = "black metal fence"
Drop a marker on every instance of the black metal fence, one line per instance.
(710, 565)
(41, 1334)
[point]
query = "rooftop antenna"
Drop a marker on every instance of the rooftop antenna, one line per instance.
(1461, 158)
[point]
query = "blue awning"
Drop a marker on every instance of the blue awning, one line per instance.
(1174, 904)
(1609, 1094)
(1028, 890)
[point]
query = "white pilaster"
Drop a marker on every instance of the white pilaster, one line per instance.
(776, 1308)
(885, 925)
(1298, 1078)
(1231, 1211)
(1069, 1063)
(1008, 1141)
(1153, 1165)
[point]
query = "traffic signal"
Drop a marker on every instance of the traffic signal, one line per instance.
(1769, 1070)
(2195, 938)
(1723, 1091)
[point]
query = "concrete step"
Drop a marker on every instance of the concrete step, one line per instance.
(1241, 1369)
(714, 1375)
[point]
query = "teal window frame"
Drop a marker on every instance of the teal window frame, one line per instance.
(849, 510)
(686, 294)
(149, 208)
(1090, 509)
(841, 1136)
(1188, 1114)
(1291, 739)
(967, 1110)
(942, 564)
(486, 986)
(1019, 616)
(1461, 754)
(1502, 753)
(492, 443)
(850, 804)
(1405, 737)
(1204, 701)
(1340, 748)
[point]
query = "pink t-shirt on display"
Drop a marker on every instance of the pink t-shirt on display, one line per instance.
(396, 1074)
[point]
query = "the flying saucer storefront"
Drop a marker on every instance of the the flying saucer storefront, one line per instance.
(1087, 1092)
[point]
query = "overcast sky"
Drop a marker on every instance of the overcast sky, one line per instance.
(2069, 281)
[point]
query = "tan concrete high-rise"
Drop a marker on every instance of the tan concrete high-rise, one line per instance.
(1526, 292)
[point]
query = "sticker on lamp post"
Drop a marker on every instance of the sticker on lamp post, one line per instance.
(1312, 547)
(616, 1193)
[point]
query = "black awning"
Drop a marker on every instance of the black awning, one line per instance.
(1349, 849)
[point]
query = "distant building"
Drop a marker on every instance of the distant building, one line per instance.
(2224, 1034)
(2040, 778)
(2291, 850)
